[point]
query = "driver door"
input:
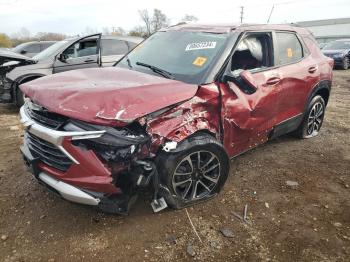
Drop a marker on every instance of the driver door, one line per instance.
(250, 97)
(84, 53)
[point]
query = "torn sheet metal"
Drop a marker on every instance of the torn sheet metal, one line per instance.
(199, 113)
(107, 95)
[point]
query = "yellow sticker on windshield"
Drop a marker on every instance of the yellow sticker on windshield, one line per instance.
(289, 52)
(199, 61)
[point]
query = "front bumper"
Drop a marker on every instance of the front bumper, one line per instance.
(64, 190)
(86, 178)
(337, 60)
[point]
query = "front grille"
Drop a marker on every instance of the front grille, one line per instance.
(47, 152)
(44, 117)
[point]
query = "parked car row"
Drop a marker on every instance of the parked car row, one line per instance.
(170, 114)
(339, 50)
(74, 53)
(31, 49)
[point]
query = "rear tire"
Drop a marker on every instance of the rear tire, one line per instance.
(313, 118)
(195, 171)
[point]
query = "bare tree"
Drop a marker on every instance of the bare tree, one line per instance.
(48, 36)
(189, 18)
(22, 34)
(139, 31)
(118, 31)
(146, 19)
(159, 20)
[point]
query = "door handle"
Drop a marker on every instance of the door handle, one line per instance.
(273, 80)
(312, 69)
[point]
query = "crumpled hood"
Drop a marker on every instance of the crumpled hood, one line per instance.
(104, 95)
(7, 55)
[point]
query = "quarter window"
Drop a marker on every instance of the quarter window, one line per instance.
(289, 48)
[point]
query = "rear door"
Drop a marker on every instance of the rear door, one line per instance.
(83, 53)
(297, 68)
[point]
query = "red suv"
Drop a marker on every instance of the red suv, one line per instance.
(171, 114)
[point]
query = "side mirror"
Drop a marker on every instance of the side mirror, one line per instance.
(248, 78)
(62, 57)
(244, 80)
(23, 52)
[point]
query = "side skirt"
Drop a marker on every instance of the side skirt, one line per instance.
(286, 126)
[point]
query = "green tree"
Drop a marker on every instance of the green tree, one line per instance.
(5, 41)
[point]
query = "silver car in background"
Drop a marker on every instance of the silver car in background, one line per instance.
(30, 49)
(95, 50)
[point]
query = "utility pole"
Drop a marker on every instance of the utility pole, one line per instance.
(242, 11)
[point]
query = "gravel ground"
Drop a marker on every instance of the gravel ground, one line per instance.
(307, 222)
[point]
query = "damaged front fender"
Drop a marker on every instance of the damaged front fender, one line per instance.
(200, 113)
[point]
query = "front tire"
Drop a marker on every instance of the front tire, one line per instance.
(313, 118)
(19, 97)
(195, 171)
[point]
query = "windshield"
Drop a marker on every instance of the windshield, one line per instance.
(50, 51)
(337, 45)
(185, 55)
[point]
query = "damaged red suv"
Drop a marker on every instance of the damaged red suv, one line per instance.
(171, 114)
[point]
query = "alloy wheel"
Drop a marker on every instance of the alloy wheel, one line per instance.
(315, 119)
(196, 175)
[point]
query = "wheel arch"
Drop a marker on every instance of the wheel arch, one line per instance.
(322, 88)
(22, 79)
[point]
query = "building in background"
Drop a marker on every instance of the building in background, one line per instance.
(329, 29)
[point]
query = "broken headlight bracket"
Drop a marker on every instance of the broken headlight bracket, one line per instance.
(118, 145)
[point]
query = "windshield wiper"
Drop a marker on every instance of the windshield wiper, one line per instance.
(157, 70)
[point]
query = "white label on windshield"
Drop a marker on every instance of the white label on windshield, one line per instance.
(201, 45)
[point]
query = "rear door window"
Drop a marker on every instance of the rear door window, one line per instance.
(33, 48)
(45, 45)
(289, 48)
(114, 47)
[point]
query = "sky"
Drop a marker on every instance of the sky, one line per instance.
(73, 17)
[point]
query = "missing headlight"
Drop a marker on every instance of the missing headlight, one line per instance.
(116, 144)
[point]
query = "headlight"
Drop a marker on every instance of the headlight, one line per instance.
(115, 144)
